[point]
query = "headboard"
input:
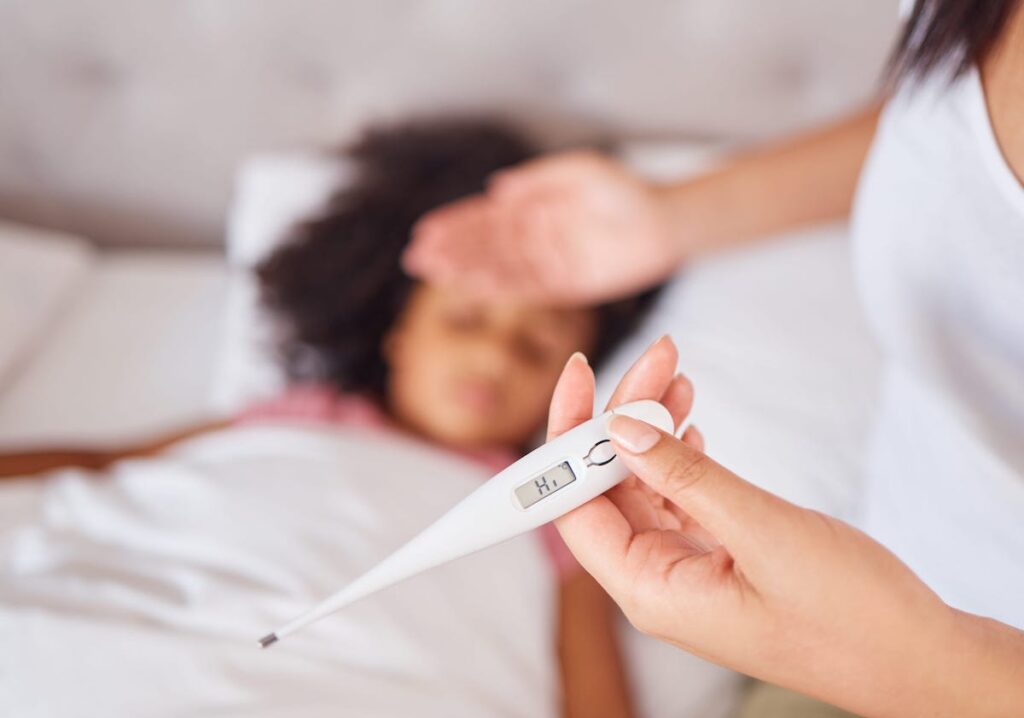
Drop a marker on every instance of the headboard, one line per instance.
(124, 120)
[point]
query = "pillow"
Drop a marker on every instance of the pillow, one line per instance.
(272, 193)
(40, 272)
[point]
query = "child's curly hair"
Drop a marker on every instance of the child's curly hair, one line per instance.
(336, 286)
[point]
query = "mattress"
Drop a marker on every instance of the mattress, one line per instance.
(128, 352)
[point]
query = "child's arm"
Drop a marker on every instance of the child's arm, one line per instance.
(24, 463)
(594, 683)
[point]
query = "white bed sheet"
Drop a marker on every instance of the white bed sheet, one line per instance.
(141, 592)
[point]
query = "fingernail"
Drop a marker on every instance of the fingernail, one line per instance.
(578, 356)
(635, 435)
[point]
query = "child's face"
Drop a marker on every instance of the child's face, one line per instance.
(472, 373)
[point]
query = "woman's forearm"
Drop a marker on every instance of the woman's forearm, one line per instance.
(808, 179)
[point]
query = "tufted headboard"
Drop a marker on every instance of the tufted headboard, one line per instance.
(124, 120)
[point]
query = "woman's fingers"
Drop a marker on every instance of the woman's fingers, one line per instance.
(678, 399)
(572, 401)
(544, 174)
(600, 532)
(457, 238)
(650, 375)
(693, 437)
(599, 535)
(597, 529)
(742, 517)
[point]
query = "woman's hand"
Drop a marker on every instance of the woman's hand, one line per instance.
(578, 227)
(698, 557)
(573, 228)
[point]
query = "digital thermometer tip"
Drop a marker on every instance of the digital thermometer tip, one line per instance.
(268, 640)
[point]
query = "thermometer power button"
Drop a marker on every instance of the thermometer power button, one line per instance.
(600, 453)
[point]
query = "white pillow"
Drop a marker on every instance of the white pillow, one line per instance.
(272, 193)
(40, 272)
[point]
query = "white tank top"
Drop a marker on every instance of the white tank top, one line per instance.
(938, 242)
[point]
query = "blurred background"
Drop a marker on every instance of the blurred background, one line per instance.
(126, 122)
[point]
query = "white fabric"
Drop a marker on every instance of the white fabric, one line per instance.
(40, 273)
(939, 246)
(130, 355)
(272, 193)
(141, 592)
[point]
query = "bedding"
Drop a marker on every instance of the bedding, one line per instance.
(142, 591)
(129, 354)
(40, 272)
(272, 193)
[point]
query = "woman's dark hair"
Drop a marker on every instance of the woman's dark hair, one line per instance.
(335, 286)
(947, 35)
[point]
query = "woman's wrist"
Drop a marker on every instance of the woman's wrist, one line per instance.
(710, 212)
(765, 191)
(685, 216)
(984, 675)
(964, 665)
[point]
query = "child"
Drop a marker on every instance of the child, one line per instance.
(365, 344)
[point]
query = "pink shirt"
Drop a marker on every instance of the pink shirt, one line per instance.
(322, 405)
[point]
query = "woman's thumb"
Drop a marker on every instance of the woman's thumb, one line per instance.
(733, 510)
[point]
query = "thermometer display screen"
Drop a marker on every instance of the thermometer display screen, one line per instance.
(544, 485)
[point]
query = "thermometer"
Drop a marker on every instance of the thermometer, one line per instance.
(548, 482)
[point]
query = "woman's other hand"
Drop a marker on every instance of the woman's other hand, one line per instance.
(698, 557)
(572, 228)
